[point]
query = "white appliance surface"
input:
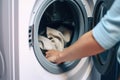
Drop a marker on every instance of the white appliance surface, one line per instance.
(29, 67)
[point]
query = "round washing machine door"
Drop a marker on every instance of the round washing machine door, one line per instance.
(104, 61)
(69, 14)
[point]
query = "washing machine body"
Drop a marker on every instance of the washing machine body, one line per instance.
(36, 16)
(106, 63)
(22, 21)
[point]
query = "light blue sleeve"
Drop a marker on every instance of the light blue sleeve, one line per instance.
(107, 31)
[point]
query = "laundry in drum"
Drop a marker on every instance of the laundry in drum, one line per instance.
(56, 39)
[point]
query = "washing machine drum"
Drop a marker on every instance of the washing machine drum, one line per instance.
(56, 14)
(105, 60)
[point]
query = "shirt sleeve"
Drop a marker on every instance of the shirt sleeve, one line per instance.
(107, 31)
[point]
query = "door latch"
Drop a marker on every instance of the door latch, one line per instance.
(31, 34)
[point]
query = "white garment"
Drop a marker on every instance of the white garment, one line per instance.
(45, 43)
(56, 39)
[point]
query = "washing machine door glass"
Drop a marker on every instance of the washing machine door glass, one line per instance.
(49, 21)
(104, 61)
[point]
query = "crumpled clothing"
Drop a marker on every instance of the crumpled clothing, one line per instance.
(45, 43)
(56, 39)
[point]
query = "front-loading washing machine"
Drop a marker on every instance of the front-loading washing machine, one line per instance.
(70, 14)
(22, 21)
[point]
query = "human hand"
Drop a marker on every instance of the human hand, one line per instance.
(54, 56)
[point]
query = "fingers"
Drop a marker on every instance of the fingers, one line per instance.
(52, 59)
(53, 56)
(50, 53)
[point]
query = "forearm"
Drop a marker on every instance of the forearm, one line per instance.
(85, 46)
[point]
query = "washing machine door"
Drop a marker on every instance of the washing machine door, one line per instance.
(104, 61)
(69, 14)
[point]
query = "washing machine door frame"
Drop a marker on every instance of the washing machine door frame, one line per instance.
(33, 34)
